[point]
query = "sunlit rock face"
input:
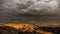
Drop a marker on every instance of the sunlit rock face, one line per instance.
(30, 6)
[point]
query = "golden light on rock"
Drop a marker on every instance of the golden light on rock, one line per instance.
(27, 27)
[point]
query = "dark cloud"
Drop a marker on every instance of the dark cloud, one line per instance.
(14, 9)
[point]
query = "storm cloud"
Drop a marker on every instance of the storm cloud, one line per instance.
(9, 9)
(28, 6)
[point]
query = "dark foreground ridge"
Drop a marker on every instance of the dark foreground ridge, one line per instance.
(12, 30)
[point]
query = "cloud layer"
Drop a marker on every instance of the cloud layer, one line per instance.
(11, 8)
(28, 6)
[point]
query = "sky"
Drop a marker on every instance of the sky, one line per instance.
(12, 9)
(27, 6)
